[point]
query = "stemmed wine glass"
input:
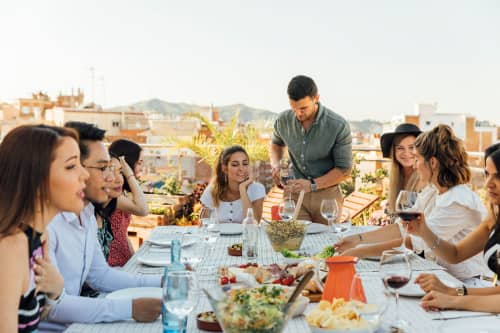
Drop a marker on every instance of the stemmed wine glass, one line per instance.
(395, 271)
(285, 175)
(345, 225)
(329, 212)
(286, 209)
(368, 288)
(406, 210)
(180, 294)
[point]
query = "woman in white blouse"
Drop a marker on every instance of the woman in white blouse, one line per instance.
(457, 210)
(232, 190)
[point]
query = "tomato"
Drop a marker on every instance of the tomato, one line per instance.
(224, 280)
(232, 279)
(277, 281)
(288, 280)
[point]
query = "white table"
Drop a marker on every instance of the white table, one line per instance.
(410, 310)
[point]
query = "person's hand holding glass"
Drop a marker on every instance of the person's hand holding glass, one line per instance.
(406, 210)
(329, 212)
(286, 174)
(180, 294)
(395, 271)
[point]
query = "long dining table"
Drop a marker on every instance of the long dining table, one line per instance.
(409, 307)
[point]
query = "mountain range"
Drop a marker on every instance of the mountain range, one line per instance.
(226, 112)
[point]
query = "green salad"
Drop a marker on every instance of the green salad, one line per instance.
(327, 252)
(255, 310)
(290, 254)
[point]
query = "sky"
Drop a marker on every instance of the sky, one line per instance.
(370, 59)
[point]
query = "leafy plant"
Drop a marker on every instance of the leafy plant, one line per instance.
(348, 186)
(208, 147)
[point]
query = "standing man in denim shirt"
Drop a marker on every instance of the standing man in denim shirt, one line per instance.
(319, 145)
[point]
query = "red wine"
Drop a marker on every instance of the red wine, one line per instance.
(395, 282)
(408, 216)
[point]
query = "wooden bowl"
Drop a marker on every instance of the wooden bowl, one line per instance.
(211, 326)
(234, 252)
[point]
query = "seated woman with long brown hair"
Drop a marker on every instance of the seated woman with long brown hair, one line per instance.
(38, 181)
(484, 239)
(233, 190)
(456, 210)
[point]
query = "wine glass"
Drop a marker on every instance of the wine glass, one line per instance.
(368, 288)
(406, 210)
(180, 294)
(285, 175)
(210, 230)
(395, 271)
(329, 212)
(286, 209)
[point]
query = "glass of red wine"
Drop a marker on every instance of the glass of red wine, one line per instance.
(395, 270)
(286, 174)
(407, 210)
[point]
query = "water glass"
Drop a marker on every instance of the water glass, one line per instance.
(209, 226)
(193, 250)
(286, 209)
(180, 295)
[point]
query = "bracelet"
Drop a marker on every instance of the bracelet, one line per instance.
(58, 299)
(437, 241)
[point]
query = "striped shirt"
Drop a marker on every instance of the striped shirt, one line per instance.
(31, 305)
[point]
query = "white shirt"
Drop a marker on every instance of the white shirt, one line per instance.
(232, 211)
(76, 253)
(457, 212)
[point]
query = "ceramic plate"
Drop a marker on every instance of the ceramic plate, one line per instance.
(165, 240)
(316, 228)
(132, 293)
(231, 229)
(334, 330)
(156, 259)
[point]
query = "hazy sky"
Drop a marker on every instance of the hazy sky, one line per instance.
(370, 59)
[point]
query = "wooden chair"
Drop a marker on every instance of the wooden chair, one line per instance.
(273, 197)
(355, 203)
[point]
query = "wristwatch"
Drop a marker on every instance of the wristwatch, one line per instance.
(461, 291)
(314, 187)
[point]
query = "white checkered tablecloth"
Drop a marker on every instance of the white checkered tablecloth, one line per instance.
(409, 307)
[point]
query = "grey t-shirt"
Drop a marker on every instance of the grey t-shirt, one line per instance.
(326, 145)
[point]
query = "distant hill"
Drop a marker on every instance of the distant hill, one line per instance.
(247, 113)
(366, 126)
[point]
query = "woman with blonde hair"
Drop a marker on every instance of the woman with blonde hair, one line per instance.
(233, 190)
(455, 209)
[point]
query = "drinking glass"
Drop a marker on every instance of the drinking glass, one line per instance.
(209, 226)
(395, 271)
(370, 286)
(286, 209)
(192, 252)
(329, 212)
(285, 175)
(343, 226)
(406, 210)
(180, 294)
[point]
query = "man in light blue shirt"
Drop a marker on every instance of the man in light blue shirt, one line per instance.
(75, 251)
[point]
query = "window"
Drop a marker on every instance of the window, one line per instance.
(428, 123)
(116, 124)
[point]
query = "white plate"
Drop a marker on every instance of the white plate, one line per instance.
(316, 228)
(231, 229)
(155, 259)
(334, 330)
(165, 240)
(133, 293)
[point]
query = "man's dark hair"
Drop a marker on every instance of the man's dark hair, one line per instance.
(301, 86)
(87, 132)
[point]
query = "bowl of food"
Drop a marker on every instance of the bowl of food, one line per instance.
(247, 310)
(285, 235)
(207, 321)
(235, 250)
